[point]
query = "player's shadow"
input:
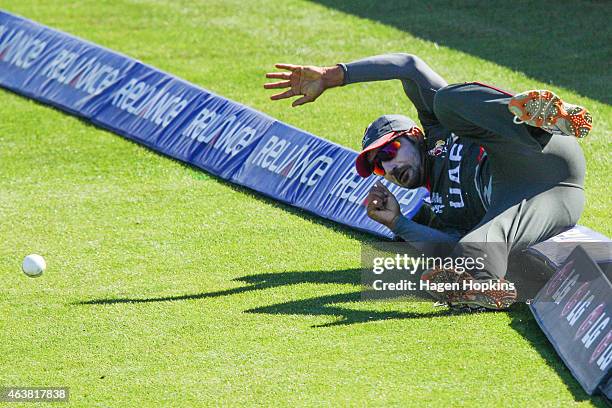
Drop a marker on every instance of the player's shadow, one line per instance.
(334, 306)
(326, 305)
(562, 43)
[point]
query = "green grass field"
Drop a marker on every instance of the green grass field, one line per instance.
(168, 287)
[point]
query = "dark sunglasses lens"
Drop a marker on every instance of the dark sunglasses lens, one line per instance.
(388, 152)
(384, 156)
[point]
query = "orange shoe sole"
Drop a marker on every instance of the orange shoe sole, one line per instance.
(544, 109)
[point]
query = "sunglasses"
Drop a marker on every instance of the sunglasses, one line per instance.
(385, 153)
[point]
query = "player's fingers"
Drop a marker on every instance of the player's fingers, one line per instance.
(290, 67)
(377, 193)
(282, 84)
(377, 189)
(287, 94)
(382, 188)
(301, 101)
(376, 200)
(278, 75)
(375, 205)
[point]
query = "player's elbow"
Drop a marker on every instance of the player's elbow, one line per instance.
(406, 61)
(410, 66)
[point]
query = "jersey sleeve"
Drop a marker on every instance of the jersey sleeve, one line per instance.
(419, 81)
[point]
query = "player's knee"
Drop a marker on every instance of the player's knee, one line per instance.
(448, 101)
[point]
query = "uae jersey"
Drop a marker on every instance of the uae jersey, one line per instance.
(459, 181)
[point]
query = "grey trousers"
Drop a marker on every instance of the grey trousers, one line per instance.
(538, 178)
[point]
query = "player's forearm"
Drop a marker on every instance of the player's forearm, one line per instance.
(413, 232)
(392, 66)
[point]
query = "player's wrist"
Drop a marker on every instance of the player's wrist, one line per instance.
(333, 76)
(391, 225)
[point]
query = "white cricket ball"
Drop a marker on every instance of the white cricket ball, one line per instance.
(34, 265)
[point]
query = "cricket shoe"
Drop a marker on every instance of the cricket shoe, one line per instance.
(462, 291)
(546, 110)
(462, 308)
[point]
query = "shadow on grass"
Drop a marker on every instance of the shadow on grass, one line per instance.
(330, 305)
(317, 306)
(562, 43)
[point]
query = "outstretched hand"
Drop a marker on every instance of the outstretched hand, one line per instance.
(308, 81)
(382, 205)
